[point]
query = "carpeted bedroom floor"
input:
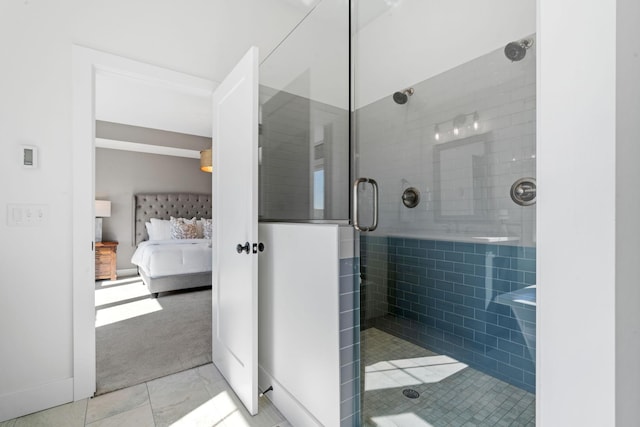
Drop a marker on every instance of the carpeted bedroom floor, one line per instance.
(139, 338)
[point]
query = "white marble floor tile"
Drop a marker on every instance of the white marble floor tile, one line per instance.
(68, 415)
(238, 416)
(268, 415)
(178, 396)
(212, 378)
(235, 419)
(211, 413)
(193, 398)
(116, 402)
(140, 416)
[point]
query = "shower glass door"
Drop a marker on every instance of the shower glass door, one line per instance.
(444, 121)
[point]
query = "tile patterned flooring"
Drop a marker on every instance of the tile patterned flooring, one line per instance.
(451, 394)
(196, 397)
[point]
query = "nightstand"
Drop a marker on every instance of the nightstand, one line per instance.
(106, 260)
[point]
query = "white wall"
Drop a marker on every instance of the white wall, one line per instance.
(299, 321)
(147, 104)
(319, 50)
(588, 236)
(452, 32)
(35, 312)
(36, 39)
(627, 209)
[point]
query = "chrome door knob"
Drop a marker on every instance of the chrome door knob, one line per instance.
(243, 248)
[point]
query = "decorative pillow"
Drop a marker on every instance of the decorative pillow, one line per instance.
(182, 228)
(161, 229)
(207, 227)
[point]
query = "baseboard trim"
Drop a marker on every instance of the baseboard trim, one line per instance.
(127, 272)
(13, 405)
(288, 405)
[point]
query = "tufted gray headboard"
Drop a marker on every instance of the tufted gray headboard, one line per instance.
(166, 205)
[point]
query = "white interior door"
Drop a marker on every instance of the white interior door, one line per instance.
(235, 213)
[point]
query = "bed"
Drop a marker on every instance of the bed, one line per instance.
(167, 264)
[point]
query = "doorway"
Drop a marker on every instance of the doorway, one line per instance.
(87, 65)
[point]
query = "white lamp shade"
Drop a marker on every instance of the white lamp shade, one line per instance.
(103, 208)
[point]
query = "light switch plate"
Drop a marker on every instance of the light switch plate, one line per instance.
(27, 215)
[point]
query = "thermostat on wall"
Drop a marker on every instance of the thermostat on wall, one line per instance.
(29, 156)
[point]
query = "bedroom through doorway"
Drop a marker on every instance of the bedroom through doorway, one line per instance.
(141, 132)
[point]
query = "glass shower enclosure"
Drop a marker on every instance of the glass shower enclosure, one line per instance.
(434, 102)
(444, 112)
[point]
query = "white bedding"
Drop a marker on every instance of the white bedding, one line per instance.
(159, 258)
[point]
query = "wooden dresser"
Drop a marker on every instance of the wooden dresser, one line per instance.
(106, 260)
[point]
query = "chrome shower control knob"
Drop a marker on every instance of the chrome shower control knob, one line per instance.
(523, 191)
(411, 197)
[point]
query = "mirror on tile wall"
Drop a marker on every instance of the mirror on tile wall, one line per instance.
(461, 179)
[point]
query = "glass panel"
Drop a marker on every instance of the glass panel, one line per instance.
(304, 131)
(304, 163)
(445, 114)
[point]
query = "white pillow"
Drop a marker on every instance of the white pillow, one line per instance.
(161, 229)
(207, 225)
(149, 228)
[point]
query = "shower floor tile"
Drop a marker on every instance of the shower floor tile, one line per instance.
(451, 393)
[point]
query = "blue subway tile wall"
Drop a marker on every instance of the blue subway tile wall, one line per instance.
(349, 307)
(443, 295)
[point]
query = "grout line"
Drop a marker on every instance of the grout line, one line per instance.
(86, 409)
(153, 413)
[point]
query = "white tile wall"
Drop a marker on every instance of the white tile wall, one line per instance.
(396, 146)
(288, 138)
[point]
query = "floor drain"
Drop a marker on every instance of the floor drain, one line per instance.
(411, 394)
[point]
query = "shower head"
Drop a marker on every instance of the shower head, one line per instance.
(515, 51)
(402, 97)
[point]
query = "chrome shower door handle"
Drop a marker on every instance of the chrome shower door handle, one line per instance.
(374, 184)
(356, 220)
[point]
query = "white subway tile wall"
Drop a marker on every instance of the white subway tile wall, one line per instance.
(299, 138)
(464, 175)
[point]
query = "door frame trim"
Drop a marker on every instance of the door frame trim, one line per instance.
(86, 64)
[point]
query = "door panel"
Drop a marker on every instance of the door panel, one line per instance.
(235, 208)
